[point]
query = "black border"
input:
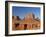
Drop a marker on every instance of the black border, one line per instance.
(6, 18)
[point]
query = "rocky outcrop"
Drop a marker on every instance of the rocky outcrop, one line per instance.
(29, 16)
(29, 22)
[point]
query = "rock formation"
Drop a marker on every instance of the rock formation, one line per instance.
(29, 22)
(29, 16)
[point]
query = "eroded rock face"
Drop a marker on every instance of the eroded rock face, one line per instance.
(29, 16)
(14, 19)
(29, 22)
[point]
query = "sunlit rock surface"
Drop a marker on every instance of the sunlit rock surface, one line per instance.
(29, 22)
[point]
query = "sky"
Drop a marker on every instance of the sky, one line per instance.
(22, 11)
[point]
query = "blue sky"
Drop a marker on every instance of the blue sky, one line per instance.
(22, 11)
